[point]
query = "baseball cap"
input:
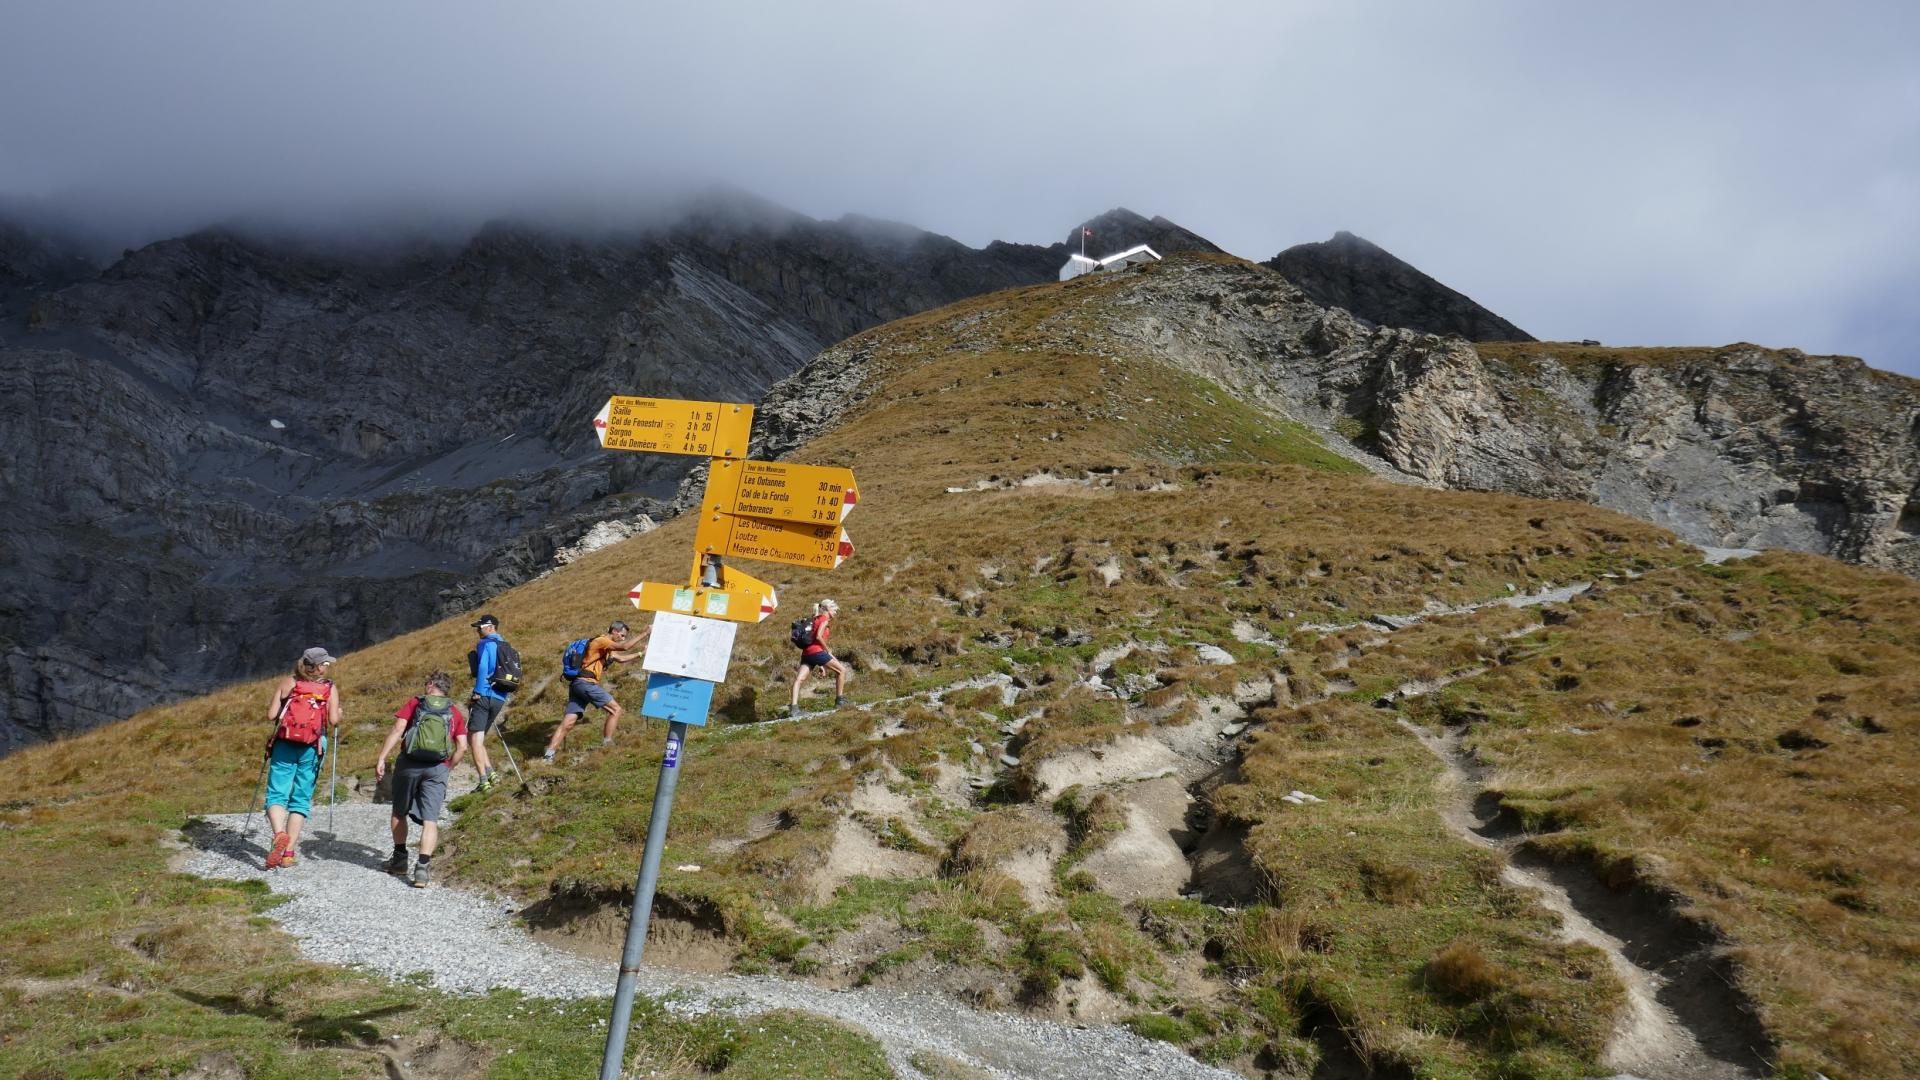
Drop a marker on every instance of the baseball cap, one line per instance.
(486, 620)
(317, 656)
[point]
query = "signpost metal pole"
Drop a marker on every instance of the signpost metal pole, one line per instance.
(643, 902)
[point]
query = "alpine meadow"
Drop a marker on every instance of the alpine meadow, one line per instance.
(1195, 699)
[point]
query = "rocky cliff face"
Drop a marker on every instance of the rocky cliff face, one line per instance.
(239, 447)
(1738, 446)
(1367, 280)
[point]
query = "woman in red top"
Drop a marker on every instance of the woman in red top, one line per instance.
(816, 656)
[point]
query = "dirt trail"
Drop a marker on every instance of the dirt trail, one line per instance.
(1682, 1021)
(1650, 1039)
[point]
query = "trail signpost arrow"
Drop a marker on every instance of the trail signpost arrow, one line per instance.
(823, 547)
(669, 426)
(806, 494)
(769, 510)
(739, 597)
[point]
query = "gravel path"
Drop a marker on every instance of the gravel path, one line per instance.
(343, 910)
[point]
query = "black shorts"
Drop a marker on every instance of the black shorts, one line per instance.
(482, 711)
(817, 659)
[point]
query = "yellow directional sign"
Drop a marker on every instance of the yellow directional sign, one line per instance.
(748, 601)
(714, 429)
(820, 546)
(778, 491)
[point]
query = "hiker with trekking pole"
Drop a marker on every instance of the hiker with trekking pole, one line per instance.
(496, 673)
(305, 712)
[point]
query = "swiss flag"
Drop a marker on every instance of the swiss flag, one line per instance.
(1084, 231)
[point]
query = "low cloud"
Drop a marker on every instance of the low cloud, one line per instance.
(1631, 173)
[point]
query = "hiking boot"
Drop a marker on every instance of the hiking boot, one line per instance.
(839, 700)
(396, 864)
(422, 876)
(282, 850)
(486, 781)
(547, 757)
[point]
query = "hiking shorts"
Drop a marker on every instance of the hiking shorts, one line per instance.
(817, 659)
(291, 774)
(419, 790)
(585, 692)
(482, 711)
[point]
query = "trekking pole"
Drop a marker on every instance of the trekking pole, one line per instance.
(502, 724)
(259, 797)
(265, 757)
(333, 781)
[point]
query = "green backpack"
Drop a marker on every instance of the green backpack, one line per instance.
(430, 738)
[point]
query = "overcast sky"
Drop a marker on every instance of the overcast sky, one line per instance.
(1638, 173)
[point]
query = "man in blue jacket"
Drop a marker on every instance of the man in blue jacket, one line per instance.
(484, 707)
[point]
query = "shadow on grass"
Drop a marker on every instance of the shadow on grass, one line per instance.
(352, 1029)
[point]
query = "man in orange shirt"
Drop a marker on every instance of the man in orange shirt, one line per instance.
(617, 646)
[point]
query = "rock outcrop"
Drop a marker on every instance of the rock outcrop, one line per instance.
(1367, 280)
(1737, 446)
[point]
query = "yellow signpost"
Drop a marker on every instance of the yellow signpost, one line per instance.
(668, 426)
(778, 491)
(766, 510)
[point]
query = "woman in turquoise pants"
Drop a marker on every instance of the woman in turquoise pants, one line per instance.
(305, 711)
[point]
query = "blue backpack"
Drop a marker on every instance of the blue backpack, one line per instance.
(573, 660)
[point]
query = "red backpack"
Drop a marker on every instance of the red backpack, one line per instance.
(304, 716)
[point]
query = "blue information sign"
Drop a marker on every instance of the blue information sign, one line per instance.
(677, 697)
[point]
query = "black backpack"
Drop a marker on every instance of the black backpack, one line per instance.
(802, 632)
(506, 667)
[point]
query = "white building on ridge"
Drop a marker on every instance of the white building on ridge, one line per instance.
(1081, 264)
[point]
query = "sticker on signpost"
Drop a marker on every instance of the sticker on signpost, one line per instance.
(689, 645)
